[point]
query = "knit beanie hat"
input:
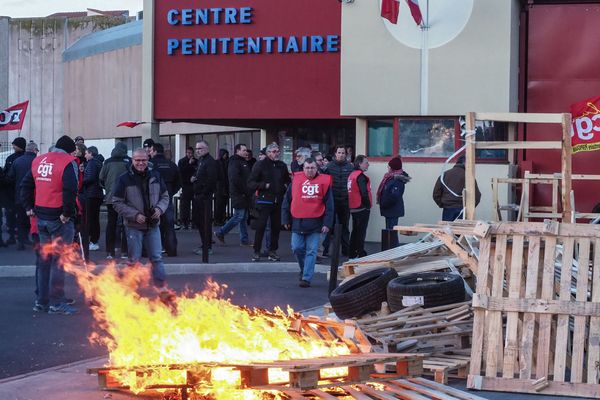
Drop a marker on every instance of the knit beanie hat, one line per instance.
(65, 143)
(395, 164)
(20, 143)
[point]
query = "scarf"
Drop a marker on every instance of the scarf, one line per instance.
(386, 178)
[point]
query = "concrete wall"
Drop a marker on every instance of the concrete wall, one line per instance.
(36, 70)
(475, 71)
(4, 56)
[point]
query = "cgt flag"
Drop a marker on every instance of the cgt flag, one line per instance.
(391, 8)
(585, 132)
(13, 117)
(131, 124)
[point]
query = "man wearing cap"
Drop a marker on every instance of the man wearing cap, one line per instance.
(49, 192)
(8, 193)
(148, 143)
(19, 169)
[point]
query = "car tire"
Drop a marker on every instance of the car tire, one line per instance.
(435, 288)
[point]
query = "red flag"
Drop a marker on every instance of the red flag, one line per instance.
(13, 117)
(585, 135)
(131, 124)
(390, 10)
(415, 11)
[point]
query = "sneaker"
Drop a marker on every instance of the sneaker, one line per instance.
(68, 301)
(304, 284)
(109, 257)
(256, 257)
(176, 227)
(220, 238)
(199, 251)
(94, 246)
(62, 308)
(249, 244)
(273, 256)
(39, 307)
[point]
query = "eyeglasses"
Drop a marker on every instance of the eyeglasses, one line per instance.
(140, 160)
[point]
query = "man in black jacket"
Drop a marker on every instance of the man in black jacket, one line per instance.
(93, 195)
(170, 175)
(340, 170)
(187, 168)
(269, 178)
(8, 193)
(238, 173)
(19, 169)
(205, 184)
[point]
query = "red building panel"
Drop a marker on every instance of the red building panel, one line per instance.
(296, 81)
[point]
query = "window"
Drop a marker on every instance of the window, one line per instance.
(381, 138)
(427, 137)
(491, 131)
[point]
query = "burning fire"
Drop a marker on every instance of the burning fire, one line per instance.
(200, 328)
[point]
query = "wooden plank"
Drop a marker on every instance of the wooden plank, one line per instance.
(478, 314)
(538, 229)
(450, 242)
(550, 145)
(534, 118)
(294, 394)
(545, 321)
(566, 160)
(562, 325)
(432, 393)
(322, 395)
(537, 306)
(594, 335)
(495, 351)
(531, 284)
(514, 290)
(584, 390)
(469, 198)
(355, 393)
(404, 393)
(376, 393)
(577, 358)
(459, 394)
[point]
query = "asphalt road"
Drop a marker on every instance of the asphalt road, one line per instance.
(33, 341)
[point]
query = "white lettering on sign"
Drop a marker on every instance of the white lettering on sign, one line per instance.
(585, 126)
(309, 189)
(413, 300)
(45, 168)
(10, 117)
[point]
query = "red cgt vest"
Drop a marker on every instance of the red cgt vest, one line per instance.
(354, 191)
(308, 195)
(47, 171)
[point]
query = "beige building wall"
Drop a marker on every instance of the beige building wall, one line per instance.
(476, 71)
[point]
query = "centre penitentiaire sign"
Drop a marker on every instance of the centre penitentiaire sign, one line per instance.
(252, 59)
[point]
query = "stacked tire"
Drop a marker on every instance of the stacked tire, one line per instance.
(430, 289)
(362, 294)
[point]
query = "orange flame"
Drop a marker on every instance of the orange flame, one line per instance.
(201, 327)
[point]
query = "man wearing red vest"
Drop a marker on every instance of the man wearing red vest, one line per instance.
(49, 192)
(359, 201)
(308, 208)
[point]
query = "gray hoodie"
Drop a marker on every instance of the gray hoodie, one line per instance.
(112, 168)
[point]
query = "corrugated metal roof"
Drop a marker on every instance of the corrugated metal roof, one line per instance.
(118, 37)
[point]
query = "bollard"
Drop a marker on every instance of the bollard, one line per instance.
(207, 210)
(335, 257)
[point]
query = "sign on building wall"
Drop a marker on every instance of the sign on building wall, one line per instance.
(260, 59)
(585, 135)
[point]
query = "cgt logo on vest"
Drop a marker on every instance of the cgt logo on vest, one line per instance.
(309, 190)
(45, 168)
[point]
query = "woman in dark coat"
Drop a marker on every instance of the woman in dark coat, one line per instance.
(390, 195)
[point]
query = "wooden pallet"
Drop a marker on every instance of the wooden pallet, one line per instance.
(522, 338)
(411, 389)
(329, 330)
(445, 365)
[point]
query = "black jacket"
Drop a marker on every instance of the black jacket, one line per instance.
(223, 182)
(238, 173)
(454, 179)
(206, 177)
(20, 167)
(339, 174)
(269, 173)
(168, 172)
(187, 169)
(91, 179)
(7, 192)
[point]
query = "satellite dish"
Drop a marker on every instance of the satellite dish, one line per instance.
(446, 20)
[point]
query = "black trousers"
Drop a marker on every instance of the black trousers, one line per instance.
(167, 231)
(92, 215)
(360, 221)
(23, 224)
(342, 217)
(202, 215)
(221, 208)
(185, 204)
(265, 211)
(114, 230)
(10, 214)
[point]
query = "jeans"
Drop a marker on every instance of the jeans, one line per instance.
(167, 230)
(360, 221)
(305, 249)
(450, 214)
(267, 212)
(238, 218)
(390, 222)
(49, 275)
(150, 239)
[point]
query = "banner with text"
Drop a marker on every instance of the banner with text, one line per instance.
(12, 118)
(585, 133)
